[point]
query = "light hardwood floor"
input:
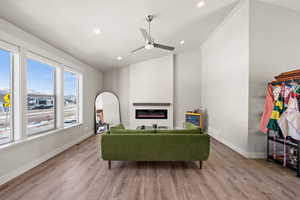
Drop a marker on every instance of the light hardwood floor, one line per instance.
(80, 173)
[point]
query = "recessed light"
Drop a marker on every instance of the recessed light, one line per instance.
(201, 4)
(97, 31)
(181, 42)
(119, 58)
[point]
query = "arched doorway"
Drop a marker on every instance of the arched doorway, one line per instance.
(107, 111)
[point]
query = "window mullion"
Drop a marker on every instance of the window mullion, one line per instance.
(20, 95)
(80, 98)
(59, 89)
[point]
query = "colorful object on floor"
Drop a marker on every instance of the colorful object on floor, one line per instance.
(195, 118)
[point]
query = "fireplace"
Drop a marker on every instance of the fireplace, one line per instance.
(151, 114)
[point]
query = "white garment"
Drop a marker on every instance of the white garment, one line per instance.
(289, 121)
(276, 92)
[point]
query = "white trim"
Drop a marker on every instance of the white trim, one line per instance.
(79, 90)
(80, 98)
(59, 92)
(42, 59)
(9, 47)
(17, 172)
(256, 155)
(35, 44)
(23, 117)
(36, 136)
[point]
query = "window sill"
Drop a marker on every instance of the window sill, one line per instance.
(41, 135)
(72, 126)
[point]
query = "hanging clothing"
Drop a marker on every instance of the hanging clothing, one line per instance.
(277, 111)
(287, 91)
(289, 121)
(276, 92)
(269, 105)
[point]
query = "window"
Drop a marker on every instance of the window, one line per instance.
(40, 97)
(5, 97)
(71, 100)
(51, 96)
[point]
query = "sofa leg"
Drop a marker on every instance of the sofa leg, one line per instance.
(109, 164)
(200, 164)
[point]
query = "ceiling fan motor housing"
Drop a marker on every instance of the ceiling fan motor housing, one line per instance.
(149, 18)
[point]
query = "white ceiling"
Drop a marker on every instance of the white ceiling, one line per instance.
(291, 4)
(69, 24)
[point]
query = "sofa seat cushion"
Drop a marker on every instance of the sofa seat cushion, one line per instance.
(131, 131)
(179, 131)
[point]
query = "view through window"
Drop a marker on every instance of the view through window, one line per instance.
(71, 84)
(5, 96)
(40, 97)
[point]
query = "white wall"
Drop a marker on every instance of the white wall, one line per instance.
(110, 105)
(187, 93)
(274, 47)
(187, 81)
(16, 159)
(118, 81)
(152, 81)
(225, 79)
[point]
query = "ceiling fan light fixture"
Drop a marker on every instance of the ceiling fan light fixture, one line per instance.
(97, 31)
(149, 46)
(201, 4)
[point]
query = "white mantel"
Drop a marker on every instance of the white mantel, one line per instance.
(145, 89)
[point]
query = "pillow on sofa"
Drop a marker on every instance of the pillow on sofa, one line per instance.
(189, 125)
(179, 131)
(131, 131)
(119, 126)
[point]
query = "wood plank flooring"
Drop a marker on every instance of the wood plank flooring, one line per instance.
(80, 174)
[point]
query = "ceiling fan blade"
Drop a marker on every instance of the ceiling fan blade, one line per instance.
(145, 35)
(161, 46)
(137, 49)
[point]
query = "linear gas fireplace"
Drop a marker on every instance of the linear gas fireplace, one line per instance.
(151, 114)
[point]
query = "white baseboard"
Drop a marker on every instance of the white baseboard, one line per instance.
(256, 155)
(17, 172)
(249, 155)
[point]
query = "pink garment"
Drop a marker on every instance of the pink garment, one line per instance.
(269, 105)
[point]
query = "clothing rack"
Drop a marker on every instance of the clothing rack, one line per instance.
(279, 149)
(276, 152)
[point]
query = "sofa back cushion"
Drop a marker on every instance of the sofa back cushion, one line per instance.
(189, 125)
(179, 131)
(119, 126)
(131, 131)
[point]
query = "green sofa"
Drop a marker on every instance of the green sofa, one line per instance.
(189, 144)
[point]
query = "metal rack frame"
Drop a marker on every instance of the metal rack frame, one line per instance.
(293, 144)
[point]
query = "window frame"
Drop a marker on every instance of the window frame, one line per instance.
(79, 95)
(19, 55)
(55, 65)
(14, 58)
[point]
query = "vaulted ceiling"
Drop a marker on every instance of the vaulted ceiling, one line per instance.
(69, 25)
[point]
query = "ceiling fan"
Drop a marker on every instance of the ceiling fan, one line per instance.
(149, 41)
